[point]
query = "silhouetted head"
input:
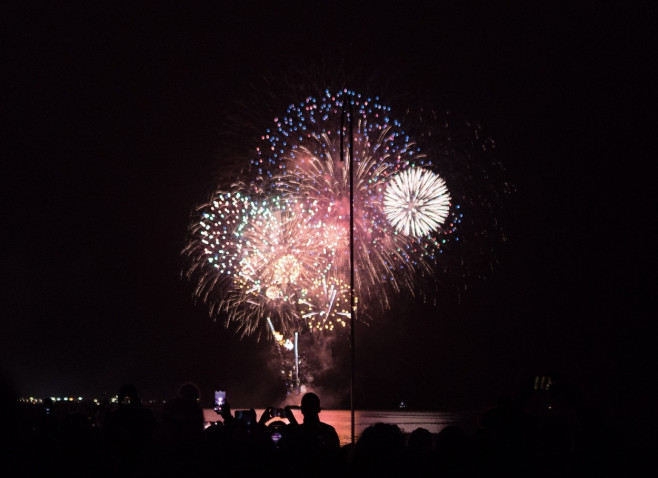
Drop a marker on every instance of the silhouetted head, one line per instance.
(189, 391)
(420, 440)
(310, 404)
(128, 395)
(379, 450)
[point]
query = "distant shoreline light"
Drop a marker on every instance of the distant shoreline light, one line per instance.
(113, 400)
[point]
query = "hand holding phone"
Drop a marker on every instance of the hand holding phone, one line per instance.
(220, 400)
(289, 415)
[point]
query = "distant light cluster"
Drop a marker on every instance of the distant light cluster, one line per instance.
(271, 251)
(35, 400)
(112, 400)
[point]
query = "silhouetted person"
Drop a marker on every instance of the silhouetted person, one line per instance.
(216, 438)
(379, 451)
(249, 446)
(455, 453)
(80, 448)
(47, 427)
(507, 439)
(181, 437)
(128, 429)
(276, 432)
(420, 441)
(420, 453)
(184, 415)
(16, 436)
(315, 445)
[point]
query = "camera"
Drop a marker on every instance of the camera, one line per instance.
(248, 417)
(220, 399)
(278, 413)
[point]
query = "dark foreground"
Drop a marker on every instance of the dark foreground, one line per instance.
(508, 440)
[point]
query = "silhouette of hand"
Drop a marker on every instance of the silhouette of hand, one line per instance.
(290, 416)
(267, 415)
(225, 412)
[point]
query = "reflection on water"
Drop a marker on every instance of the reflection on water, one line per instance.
(408, 421)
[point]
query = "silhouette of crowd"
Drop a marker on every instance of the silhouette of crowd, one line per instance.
(129, 439)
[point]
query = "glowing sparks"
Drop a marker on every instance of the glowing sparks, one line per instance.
(275, 249)
(326, 305)
(416, 201)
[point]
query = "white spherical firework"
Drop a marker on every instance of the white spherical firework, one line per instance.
(416, 201)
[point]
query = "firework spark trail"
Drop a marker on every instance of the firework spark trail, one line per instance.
(326, 305)
(276, 248)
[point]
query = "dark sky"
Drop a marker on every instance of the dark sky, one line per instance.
(113, 130)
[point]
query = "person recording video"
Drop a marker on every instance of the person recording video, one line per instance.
(315, 444)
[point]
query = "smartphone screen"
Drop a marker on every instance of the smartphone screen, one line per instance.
(220, 398)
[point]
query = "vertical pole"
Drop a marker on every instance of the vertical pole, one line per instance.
(296, 362)
(352, 297)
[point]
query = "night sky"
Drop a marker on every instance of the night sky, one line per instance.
(117, 122)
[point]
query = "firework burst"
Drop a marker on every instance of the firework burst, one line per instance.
(302, 159)
(416, 201)
(276, 248)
